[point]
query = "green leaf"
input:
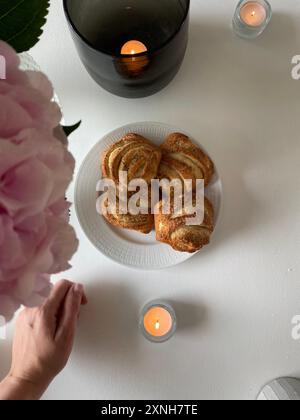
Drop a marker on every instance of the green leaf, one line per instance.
(21, 22)
(70, 128)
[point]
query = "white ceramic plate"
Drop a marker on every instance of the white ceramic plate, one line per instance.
(128, 248)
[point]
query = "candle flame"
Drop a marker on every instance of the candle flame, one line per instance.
(157, 325)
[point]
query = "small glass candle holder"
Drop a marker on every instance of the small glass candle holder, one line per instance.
(158, 321)
(251, 18)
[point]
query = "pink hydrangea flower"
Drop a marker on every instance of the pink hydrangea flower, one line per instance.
(35, 172)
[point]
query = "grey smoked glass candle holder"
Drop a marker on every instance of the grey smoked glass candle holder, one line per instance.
(101, 27)
(245, 30)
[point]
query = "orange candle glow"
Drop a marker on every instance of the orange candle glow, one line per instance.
(158, 322)
(253, 13)
(133, 47)
(135, 65)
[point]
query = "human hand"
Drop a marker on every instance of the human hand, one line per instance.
(43, 341)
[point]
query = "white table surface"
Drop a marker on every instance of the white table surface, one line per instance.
(236, 299)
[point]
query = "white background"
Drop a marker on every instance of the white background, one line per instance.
(236, 299)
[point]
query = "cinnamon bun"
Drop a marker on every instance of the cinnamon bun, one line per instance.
(173, 229)
(182, 159)
(133, 154)
(143, 223)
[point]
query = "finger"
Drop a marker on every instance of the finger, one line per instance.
(70, 311)
(84, 300)
(57, 296)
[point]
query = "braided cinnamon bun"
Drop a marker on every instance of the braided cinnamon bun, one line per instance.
(173, 229)
(132, 154)
(181, 159)
(143, 223)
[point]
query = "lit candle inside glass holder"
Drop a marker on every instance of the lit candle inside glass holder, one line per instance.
(133, 63)
(101, 29)
(158, 321)
(251, 18)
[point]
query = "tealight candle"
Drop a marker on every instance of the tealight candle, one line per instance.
(253, 13)
(133, 47)
(133, 66)
(158, 321)
(251, 18)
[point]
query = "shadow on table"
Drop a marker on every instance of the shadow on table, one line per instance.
(112, 352)
(109, 328)
(190, 315)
